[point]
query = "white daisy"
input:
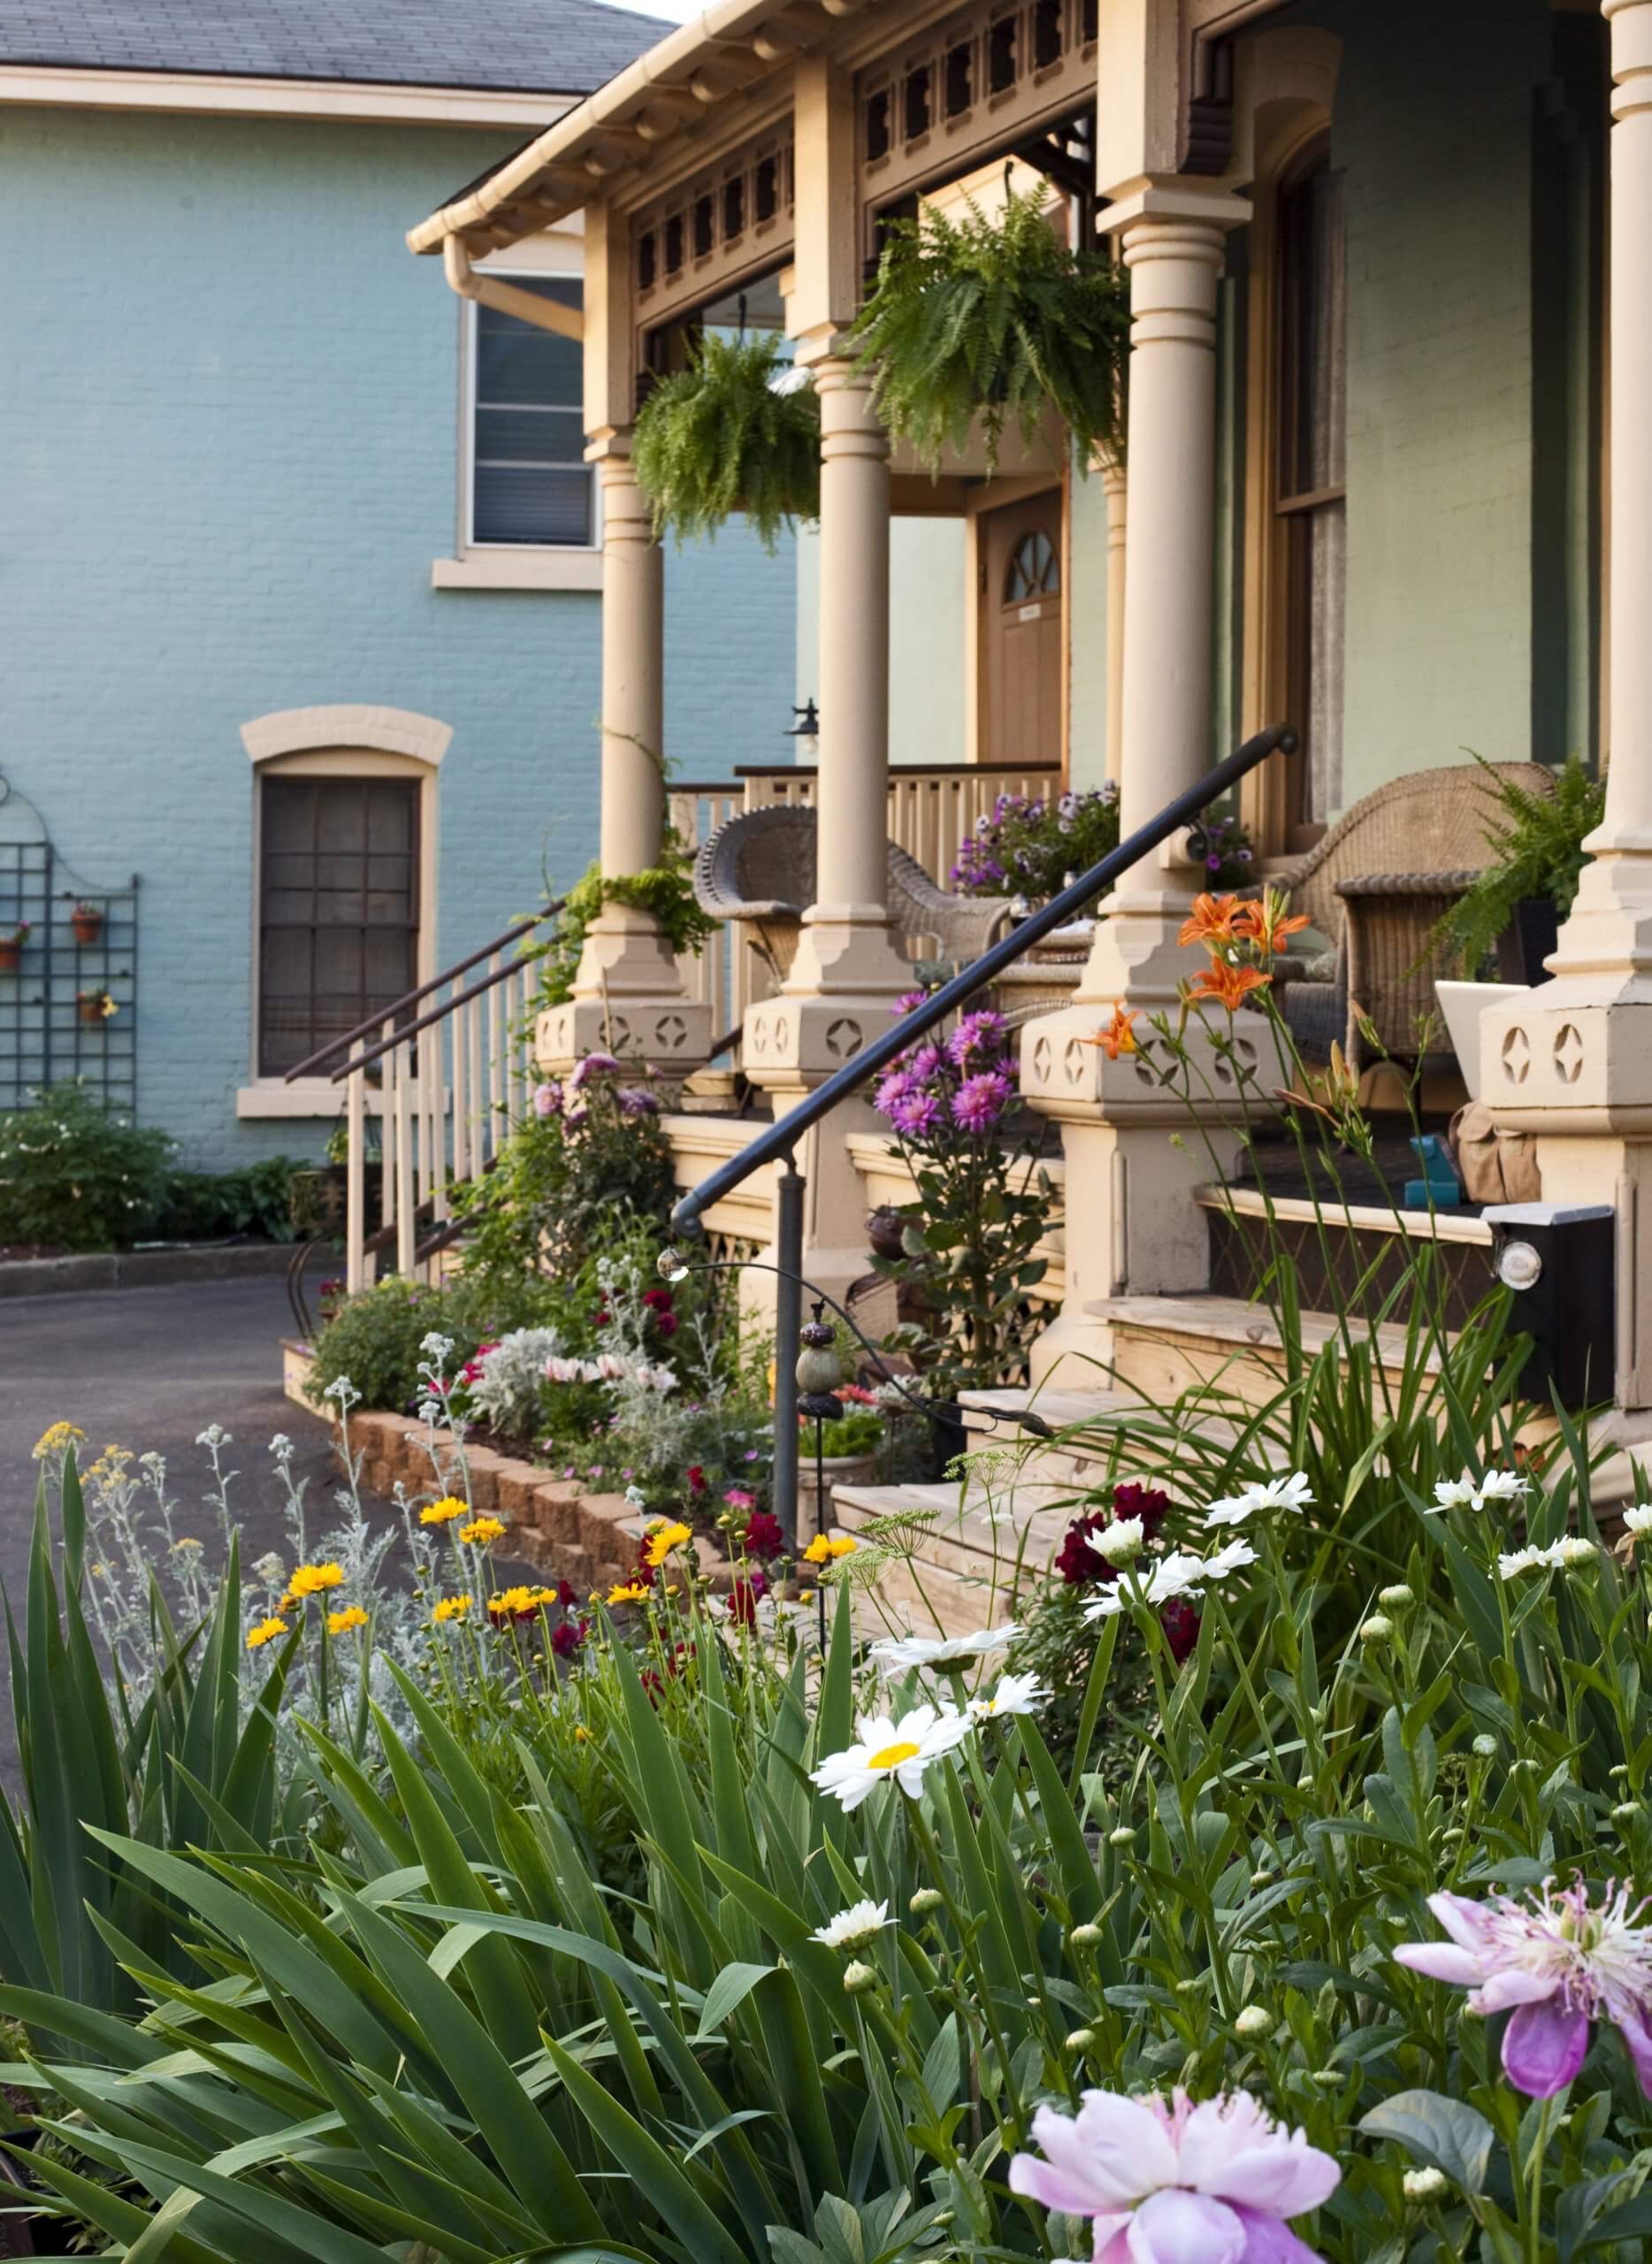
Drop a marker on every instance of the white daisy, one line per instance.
(1574, 1549)
(1180, 1573)
(1453, 1494)
(1232, 1556)
(1475, 1494)
(951, 1651)
(859, 1924)
(1016, 1694)
(886, 1748)
(1120, 1543)
(1292, 1493)
(1521, 1560)
(1639, 1519)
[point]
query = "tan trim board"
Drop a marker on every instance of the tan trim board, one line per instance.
(63, 87)
(518, 570)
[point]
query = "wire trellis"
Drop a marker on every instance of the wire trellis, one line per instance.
(78, 958)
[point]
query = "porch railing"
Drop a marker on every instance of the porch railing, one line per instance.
(779, 1142)
(933, 809)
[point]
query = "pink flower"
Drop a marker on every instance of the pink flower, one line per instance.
(738, 1498)
(916, 1116)
(547, 1099)
(1176, 2183)
(980, 1033)
(981, 1100)
(594, 1065)
(1559, 1963)
(892, 1090)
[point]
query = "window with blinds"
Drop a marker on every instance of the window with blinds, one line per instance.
(528, 482)
(338, 909)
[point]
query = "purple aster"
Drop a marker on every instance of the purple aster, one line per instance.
(892, 1090)
(1559, 1963)
(980, 1101)
(916, 1116)
(634, 1101)
(547, 1099)
(594, 1065)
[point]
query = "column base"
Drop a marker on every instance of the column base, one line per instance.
(628, 1000)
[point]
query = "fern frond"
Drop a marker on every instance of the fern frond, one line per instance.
(717, 437)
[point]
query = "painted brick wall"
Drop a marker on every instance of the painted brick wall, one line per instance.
(227, 461)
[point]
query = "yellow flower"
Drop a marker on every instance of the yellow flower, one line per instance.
(452, 1607)
(628, 1592)
(519, 1599)
(340, 1622)
(581, 1733)
(265, 1631)
(185, 1540)
(309, 1580)
(823, 1550)
(444, 1511)
(58, 1439)
(663, 1539)
(481, 1529)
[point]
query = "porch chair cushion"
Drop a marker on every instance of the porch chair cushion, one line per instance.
(759, 870)
(1375, 887)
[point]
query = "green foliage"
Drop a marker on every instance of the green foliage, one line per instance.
(375, 1339)
(1031, 846)
(720, 437)
(996, 319)
(1537, 843)
(76, 1176)
(859, 1432)
(204, 1206)
(666, 889)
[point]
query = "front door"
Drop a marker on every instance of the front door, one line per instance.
(1019, 547)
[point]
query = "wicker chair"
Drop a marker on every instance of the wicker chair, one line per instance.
(1374, 888)
(759, 870)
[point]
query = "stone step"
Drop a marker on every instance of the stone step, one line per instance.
(1163, 1347)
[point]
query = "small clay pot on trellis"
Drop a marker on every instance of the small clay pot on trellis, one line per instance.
(87, 920)
(96, 1007)
(12, 949)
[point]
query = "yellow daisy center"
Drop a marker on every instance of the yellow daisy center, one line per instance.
(892, 1755)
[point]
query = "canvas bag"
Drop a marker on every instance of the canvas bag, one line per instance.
(1494, 1167)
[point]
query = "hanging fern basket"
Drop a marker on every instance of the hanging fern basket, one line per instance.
(985, 323)
(733, 432)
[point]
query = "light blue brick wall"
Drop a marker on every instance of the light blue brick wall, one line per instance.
(227, 462)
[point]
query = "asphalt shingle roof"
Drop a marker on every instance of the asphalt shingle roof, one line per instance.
(515, 46)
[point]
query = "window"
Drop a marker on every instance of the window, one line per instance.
(339, 908)
(528, 482)
(1309, 494)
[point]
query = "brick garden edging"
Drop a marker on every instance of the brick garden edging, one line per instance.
(588, 1538)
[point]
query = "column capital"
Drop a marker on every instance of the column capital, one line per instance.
(1159, 202)
(1631, 25)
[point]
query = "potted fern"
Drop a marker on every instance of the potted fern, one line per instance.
(1515, 907)
(739, 429)
(995, 319)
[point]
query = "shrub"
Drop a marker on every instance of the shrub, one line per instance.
(255, 1199)
(76, 1176)
(376, 1339)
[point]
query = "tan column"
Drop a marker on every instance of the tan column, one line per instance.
(1116, 487)
(1571, 1061)
(628, 994)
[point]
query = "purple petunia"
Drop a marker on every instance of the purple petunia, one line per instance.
(981, 1100)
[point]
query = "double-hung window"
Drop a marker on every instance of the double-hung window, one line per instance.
(529, 483)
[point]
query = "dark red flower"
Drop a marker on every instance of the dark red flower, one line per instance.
(665, 1324)
(1147, 1502)
(696, 1478)
(1077, 1561)
(657, 1300)
(744, 1597)
(1180, 1625)
(763, 1536)
(566, 1594)
(569, 1637)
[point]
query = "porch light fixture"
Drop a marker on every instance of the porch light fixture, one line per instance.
(1559, 1261)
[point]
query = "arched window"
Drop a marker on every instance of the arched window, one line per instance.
(1310, 502)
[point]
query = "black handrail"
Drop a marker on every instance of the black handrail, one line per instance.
(434, 1015)
(376, 1022)
(783, 1136)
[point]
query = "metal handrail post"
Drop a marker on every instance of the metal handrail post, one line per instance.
(789, 1191)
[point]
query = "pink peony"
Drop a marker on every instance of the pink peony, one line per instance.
(1559, 1964)
(1176, 2183)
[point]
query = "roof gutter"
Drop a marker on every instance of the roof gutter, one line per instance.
(725, 51)
(506, 298)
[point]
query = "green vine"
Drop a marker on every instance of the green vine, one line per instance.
(666, 889)
(995, 319)
(730, 433)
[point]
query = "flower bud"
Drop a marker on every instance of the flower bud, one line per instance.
(1085, 1936)
(1626, 1812)
(1124, 1837)
(1376, 1629)
(1080, 2040)
(1618, 1772)
(1396, 1598)
(1261, 1878)
(1194, 1986)
(1327, 2078)
(1424, 2185)
(926, 1899)
(858, 1979)
(1485, 1747)
(1255, 2020)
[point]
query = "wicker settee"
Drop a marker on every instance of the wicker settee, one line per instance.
(1374, 889)
(759, 868)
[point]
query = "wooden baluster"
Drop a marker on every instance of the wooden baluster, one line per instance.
(406, 1199)
(356, 1182)
(495, 1059)
(473, 1086)
(463, 1087)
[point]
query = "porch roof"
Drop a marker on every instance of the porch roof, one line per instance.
(720, 54)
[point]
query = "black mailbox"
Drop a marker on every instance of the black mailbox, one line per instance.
(1560, 1260)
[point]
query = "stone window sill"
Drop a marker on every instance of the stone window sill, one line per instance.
(518, 570)
(310, 1097)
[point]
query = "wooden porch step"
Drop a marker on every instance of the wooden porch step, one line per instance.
(1164, 1346)
(964, 1556)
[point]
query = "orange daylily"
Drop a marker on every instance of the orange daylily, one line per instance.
(1117, 1036)
(1213, 920)
(1229, 986)
(1266, 925)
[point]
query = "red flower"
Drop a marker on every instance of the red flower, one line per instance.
(657, 1300)
(695, 1477)
(763, 1536)
(1148, 1503)
(566, 1596)
(1180, 1625)
(569, 1637)
(665, 1324)
(743, 1599)
(1077, 1561)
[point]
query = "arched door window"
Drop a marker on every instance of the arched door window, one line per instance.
(1310, 472)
